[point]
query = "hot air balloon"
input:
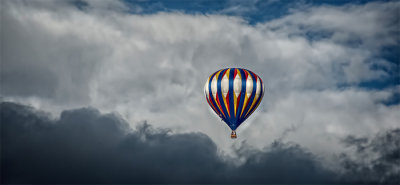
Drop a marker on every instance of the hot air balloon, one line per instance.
(234, 94)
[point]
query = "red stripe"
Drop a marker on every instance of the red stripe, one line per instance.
(224, 73)
(247, 103)
(220, 109)
(248, 100)
(246, 73)
(211, 104)
(255, 76)
(227, 108)
(237, 103)
(227, 101)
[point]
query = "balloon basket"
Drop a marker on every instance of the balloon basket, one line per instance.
(233, 135)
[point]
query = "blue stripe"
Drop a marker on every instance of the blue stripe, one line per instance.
(258, 100)
(242, 95)
(219, 94)
(212, 97)
(231, 99)
(253, 93)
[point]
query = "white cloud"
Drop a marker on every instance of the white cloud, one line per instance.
(153, 67)
(373, 25)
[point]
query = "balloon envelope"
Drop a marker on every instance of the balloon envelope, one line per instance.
(234, 94)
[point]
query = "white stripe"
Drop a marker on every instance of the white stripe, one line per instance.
(263, 88)
(258, 90)
(249, 85)
(225, 85)
(214, 87)
(237, 85)
(206, 91)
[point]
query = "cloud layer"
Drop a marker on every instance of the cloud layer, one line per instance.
(85, 146)
(325, 68)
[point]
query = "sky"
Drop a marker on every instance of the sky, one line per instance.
(96, 91)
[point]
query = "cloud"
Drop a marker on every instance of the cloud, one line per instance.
(85, 146)
(376, 159)
(61, 55)
(370, 26)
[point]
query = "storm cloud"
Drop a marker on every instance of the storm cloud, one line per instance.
(85, 146)
(376, 159)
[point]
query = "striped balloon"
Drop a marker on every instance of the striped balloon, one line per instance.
(234, 94)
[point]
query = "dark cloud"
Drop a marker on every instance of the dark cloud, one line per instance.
(377, 159)
(85, 146)
(281, 163)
